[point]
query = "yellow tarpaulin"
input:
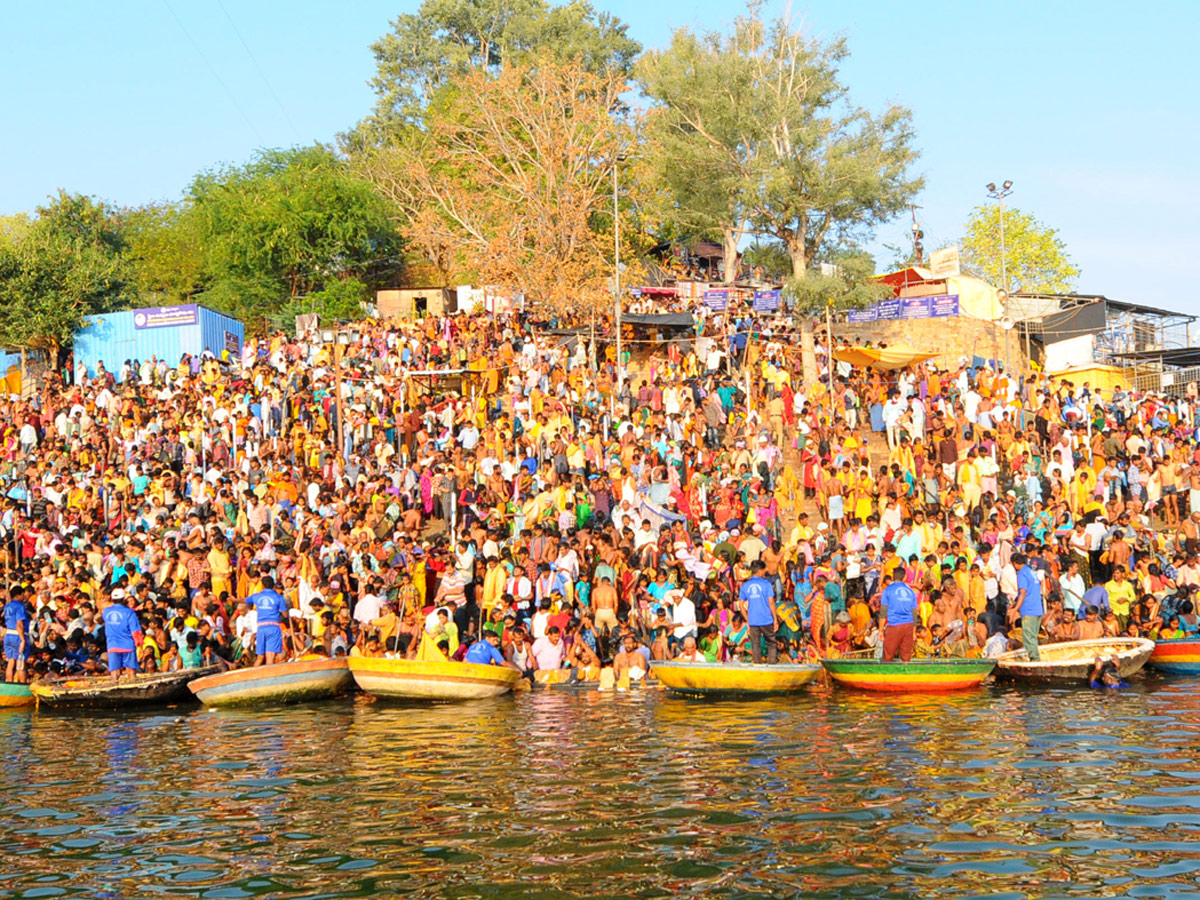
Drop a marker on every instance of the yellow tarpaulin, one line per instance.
(896, 356)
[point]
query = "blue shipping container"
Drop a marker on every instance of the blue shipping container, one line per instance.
(162, 332)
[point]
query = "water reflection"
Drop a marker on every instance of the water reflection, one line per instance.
(827, 794)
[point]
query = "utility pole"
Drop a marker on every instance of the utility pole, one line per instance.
(617, 271)
(337, 379)
(829, 341)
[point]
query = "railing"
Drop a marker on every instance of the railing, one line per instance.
(1172, 382)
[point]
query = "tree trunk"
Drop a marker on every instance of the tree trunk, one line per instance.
(808, 353)
(729, 245)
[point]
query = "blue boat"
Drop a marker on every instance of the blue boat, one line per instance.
(289, 682)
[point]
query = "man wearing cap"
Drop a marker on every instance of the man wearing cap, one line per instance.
(122, 634)
(272, 610)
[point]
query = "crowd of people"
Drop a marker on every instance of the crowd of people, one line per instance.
(497, 493)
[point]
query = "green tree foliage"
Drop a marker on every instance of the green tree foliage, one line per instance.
(696, 137)
(340, 300)
(166, 250)
(287, 224)
(63, 264)
(770, 258)
(444, 39)
(1036, 257)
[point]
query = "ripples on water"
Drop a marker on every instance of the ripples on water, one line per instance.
(555, 795)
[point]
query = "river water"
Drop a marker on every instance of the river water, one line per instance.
(1004, 793)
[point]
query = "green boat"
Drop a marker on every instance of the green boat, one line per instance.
(915, 676)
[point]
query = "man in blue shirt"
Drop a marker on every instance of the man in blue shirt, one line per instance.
(759, 596)
(272, 609)
(122, 634)
(16, 644)
(898, 603)
(1029, 601)
(486, 652)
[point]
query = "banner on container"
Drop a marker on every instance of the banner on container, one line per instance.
(231, 344)
(166, 316)
(766, 301)
(907, 308)
(716, 300)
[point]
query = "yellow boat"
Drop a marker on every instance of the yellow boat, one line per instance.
(709, 679)
(430, 680)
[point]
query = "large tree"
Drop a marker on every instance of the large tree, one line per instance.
(804, 164)
(289, 224)
(1035, 258)
(505, 183)
(699, 140)
(58, 267)
(445, 39)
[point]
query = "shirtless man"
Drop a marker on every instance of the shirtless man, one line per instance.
(604, 601)
(1091, 628)
(629, 661)
(1067, 629)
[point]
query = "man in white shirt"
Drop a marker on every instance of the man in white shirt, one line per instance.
(1071, 586)
(893, 411)
(683, 615)
(368, 608)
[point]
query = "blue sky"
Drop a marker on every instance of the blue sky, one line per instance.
(1090, 109)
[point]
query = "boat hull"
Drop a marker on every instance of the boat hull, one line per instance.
(1073, 661)
(715, 679)
(99, 692)
(1178, 657)
(915, 676)
(290, 682)
(431, 681)
(15, 695)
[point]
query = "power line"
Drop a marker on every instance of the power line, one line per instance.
(262, 74)
(220, 80)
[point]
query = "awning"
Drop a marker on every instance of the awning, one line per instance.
(666, 320)
(896, 356)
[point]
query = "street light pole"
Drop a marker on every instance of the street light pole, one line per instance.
(998, 194)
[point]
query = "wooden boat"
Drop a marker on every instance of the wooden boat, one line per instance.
(101, 692)
(430, 680)
(1176, 657)
(289, 682)
(14, 695)
(712, 679)
(1074, 660)
(915, 676)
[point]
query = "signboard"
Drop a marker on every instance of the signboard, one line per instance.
(907, 308)
(635, 293)
(232, 344)
(941, 307)
(716, 300)
(166, 316)
(944, 263)
(766, 301)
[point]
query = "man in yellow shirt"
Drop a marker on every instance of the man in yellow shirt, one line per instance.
(1120, 596)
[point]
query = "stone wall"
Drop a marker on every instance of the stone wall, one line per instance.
(953, 337)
